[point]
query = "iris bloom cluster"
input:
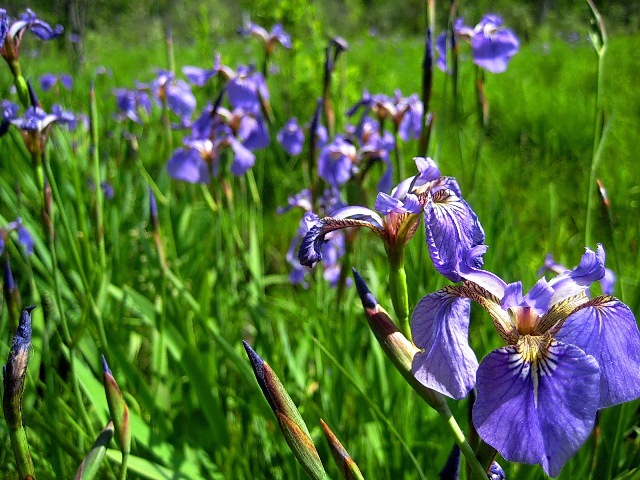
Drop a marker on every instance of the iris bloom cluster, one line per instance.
(354, 153)
(567, 356)
(241, 129)
(492, 45)
(332, 249)
(405, 113)
(174, 93)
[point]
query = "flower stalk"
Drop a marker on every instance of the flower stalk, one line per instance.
(401, 352)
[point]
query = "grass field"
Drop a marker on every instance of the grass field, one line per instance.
(173, 337)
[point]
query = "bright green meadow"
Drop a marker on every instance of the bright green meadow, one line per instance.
(173, 337)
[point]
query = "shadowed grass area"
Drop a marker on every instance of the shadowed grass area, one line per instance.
(173, 337)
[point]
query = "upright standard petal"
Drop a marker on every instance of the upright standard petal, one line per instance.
(440, 327)
(606, 328)
(452, 229)
(540, 410)
(576, 281)
(493, 51)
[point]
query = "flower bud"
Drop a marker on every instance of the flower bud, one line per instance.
(395, 345)
(289, 420)
(118, 409)
(348, 468)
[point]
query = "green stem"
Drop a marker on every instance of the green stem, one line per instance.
(477, 470)
(24, 463)
(95, 157)
(398, 291)
(601, 49)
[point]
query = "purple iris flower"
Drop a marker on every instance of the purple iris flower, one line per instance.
(200, 76)
(9, 112)
(336, 161)
(492, 45)
(48, 80)
(24, 237)
(36, 123)
(567, 357)
(11, 32)
(401, 214)
(176, 93)
(291, 137)
(332, 249)
(404, 112)
(131, 103)
(247, 89)
(270, 39)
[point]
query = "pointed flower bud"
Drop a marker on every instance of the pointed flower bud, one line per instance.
(118, 410)
(289, 420)
(347, 467)
(396, 346)
(14, 373)
(451, 469)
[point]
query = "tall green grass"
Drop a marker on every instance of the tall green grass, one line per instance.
(173, 338)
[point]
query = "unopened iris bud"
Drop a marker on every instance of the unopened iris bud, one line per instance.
(289, 420)
(395, 345)
(14, 373)
(11, 293)
(496, 472)
(347, 467)
(451, 469)
(118, 410)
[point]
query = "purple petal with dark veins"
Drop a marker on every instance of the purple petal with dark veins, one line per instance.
(440, 327)
(576, 281)
(452, 229)
(606, 328)
(537, 412)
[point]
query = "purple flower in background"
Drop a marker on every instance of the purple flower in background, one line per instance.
(247, 89)
(269, 40)
(336, 161)
(404, 112)
(131, 103)
(200, 76)
(24, 237)
(11, 32)
(291, 137)
(175, 94)
(36, 123)
(9, 112)
(567, 357)
(332, 249)
(492, 45)
(401, 214)
(49, 80)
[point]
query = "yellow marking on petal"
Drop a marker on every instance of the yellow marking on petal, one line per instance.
(500, 317)
(534, 350)
(558, 313)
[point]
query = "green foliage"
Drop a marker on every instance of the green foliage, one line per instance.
(173, 337)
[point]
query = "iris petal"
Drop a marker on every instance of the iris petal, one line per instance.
(576, 281)
(452, 229)
(538, 412)
(606, 328)
(310, 248)
(440, 327)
